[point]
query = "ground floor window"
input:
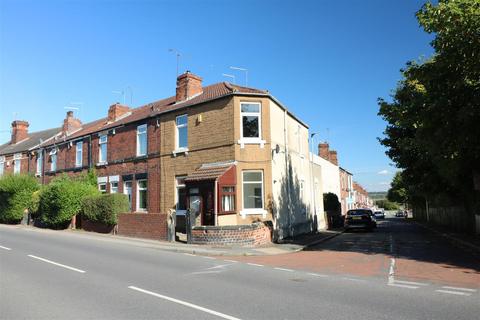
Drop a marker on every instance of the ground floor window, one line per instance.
(142, 195)
(181, 195)
(228, 199)
(102, 187)
(252, 190)
(127, 189)
(114, 187)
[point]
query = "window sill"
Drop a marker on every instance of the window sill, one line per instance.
(179, 151)
(246, 212)
(242, 142)
(101, 164)
(180, 212)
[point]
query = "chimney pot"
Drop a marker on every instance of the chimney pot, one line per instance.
(70, 123)
(324, 151)
(333, 157)
(115, 111)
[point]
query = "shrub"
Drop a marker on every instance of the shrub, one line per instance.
(331, 203)
(104, 208)
(387, 205)
(61, 200)
(15, 196)
(35, 202)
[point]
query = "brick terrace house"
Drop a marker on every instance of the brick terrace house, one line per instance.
(346, 190)
(232, 154)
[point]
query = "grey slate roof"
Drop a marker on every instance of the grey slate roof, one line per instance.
(34, 139)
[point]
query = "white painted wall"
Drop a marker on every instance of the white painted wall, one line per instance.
(292, 203)
(330, 175)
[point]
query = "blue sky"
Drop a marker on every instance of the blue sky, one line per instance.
(327, 61)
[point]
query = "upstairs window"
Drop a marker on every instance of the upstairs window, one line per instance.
(102, 149)
(251, 121)
(17, 159)
(39, 162)
(182, 132)
(53, 159)
(79, 154)
(142, 140)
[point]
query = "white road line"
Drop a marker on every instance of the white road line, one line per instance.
(220, 266)
(5, 248)
(230, 261)
(318, 275)
(211, 258)
(460, 289)
(57, 264)
(255, 264)
(353, 279)
(189, 254)
(411, 282)
(391, 272)
(403, 286)
(206, 272)
(184, 303)
(454, 292)
(284, 269)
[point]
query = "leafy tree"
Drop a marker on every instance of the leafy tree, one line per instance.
(387, 205)
(398, 191)
(331, 203)
(432, 128)
(15, 196)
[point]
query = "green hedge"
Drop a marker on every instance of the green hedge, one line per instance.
(62, 199)
(331, 203)
(15, 196)
(105, 208)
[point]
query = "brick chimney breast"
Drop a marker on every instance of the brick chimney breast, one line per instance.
(19, 131)
(333, 157)
(324, 151)
(71, 124)
(116, 111)
(188, 86)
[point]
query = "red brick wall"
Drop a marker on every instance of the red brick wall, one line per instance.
(143, 225)
(253, 235)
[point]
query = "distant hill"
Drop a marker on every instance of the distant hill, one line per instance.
(378, 195)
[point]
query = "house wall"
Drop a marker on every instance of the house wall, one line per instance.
(292, 194)
(330, 175)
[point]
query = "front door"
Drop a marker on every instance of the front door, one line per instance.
(202, 203)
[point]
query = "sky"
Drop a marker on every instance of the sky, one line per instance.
(327, 61)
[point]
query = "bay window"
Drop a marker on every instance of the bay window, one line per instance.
(228, 199)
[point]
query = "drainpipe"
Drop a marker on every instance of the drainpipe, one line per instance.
(290, 229)
(215, 201)
(90, 164)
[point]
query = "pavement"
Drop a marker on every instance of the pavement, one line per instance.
(397, 272)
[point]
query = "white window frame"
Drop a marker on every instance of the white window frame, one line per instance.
(38, 171)
(111, 181)
(102, 181)
(126, 193)
(112, 188)
(53, 155)
(17, 159)
(142, 133)
(79, 150)
(179, 149)
(177, 187)
(100, 143)
(249, 140)
(138, 195)
(2, 165)
(257, 211)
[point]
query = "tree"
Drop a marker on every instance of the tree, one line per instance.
(432, 128)
(398, 191)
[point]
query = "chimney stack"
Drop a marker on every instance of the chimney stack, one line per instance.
(333, 157)
(116, 111)
(188, 85)
(70, 124)
(19, 131)
(323, 151)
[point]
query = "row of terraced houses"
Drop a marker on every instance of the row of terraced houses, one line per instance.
(232, 155)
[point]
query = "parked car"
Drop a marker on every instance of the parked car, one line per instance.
(379, 215)
(400, 214)
(360, 219)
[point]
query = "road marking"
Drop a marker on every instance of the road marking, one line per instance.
(353, 279)
(255, 264)
(184, 303)
(57, 264)
(318, 275)
(230, 261)
(220, 266)
(189, 254)
(403, 286)
(454, 292)
(211, 258)
(5, 248)
(206, 272)
(391, 272)
(461, 289)
(284, 269)
(411, 282)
